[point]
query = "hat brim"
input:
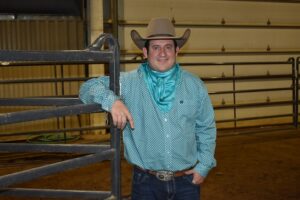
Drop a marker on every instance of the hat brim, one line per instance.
(140, 41)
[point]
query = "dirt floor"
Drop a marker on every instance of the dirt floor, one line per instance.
(252, 165)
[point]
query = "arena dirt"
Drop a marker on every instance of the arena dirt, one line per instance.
(252, 165)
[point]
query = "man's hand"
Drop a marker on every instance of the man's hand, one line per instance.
(197, 178)
(121, 115)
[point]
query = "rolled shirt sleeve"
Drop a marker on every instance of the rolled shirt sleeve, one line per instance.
(97, 90)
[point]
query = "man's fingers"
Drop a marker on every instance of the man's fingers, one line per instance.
(123, 121)
(130, 120)
(121, 115)
(120, 119)
(189, 172)
(117, 120)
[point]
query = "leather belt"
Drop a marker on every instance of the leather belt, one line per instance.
(164, 175)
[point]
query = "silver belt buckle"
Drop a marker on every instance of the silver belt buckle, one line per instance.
(164, 175)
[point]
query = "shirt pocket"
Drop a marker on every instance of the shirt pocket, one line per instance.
(188, 109)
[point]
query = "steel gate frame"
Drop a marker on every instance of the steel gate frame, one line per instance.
(296, 93)
(94, 54)
(294, 88)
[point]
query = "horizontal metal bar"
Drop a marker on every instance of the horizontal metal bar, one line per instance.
(41, 132)
(249, 128)
(54, 193)
(58, 148)
(26, 17)
(248, 105)
(31, 174)
(39, 101)
(46, 80)
(265, 77)
(23, 116)
(8, 58)
(254, 118)
(248, 91)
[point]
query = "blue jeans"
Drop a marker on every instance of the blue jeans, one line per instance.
(146, 186)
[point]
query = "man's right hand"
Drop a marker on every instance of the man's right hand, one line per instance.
(121, 115)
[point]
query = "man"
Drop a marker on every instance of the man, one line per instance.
(166, 116)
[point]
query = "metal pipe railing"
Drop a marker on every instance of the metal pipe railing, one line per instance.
(250, 90)
(296, 83)
(54, 193)
(295, 91)
(31, 174)
(235, 79)
(40, 101)
(255, 118)
(253, 105)
(56, 148)
(71, 106)
(24, 116)
(46, 80)
(91, 55)
(41, 132)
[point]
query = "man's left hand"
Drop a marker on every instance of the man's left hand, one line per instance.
(197, 178)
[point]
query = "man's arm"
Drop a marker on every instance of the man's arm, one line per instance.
(97, 91)
(205, 137)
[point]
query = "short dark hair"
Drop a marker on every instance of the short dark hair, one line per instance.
(147, 43)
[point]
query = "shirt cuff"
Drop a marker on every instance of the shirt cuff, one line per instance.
(202, 170)
(109, 101)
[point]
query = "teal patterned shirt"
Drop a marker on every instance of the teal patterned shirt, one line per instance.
(175, 140)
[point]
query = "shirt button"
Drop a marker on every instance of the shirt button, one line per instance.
(166, 119)
(167, 136)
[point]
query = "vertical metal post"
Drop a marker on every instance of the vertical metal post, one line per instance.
(114, 85)
(296, 104)
(115, 18)
(86, 9)
(234, 94)
(114, 71)
(294, 91)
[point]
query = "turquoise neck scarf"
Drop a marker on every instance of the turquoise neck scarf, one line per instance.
(162, 85)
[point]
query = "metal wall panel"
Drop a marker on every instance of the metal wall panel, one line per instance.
(40, 34)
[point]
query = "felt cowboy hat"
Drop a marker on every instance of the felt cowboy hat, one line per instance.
(159, 29)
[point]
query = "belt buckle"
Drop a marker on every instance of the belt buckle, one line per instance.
(164, 175)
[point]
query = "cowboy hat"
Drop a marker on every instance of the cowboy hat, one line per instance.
(159, 29)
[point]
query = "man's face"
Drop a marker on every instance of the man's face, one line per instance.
(162, 54)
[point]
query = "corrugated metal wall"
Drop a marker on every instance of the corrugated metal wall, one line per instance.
(40, 34)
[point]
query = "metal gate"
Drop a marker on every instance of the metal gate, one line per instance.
(94, 54)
